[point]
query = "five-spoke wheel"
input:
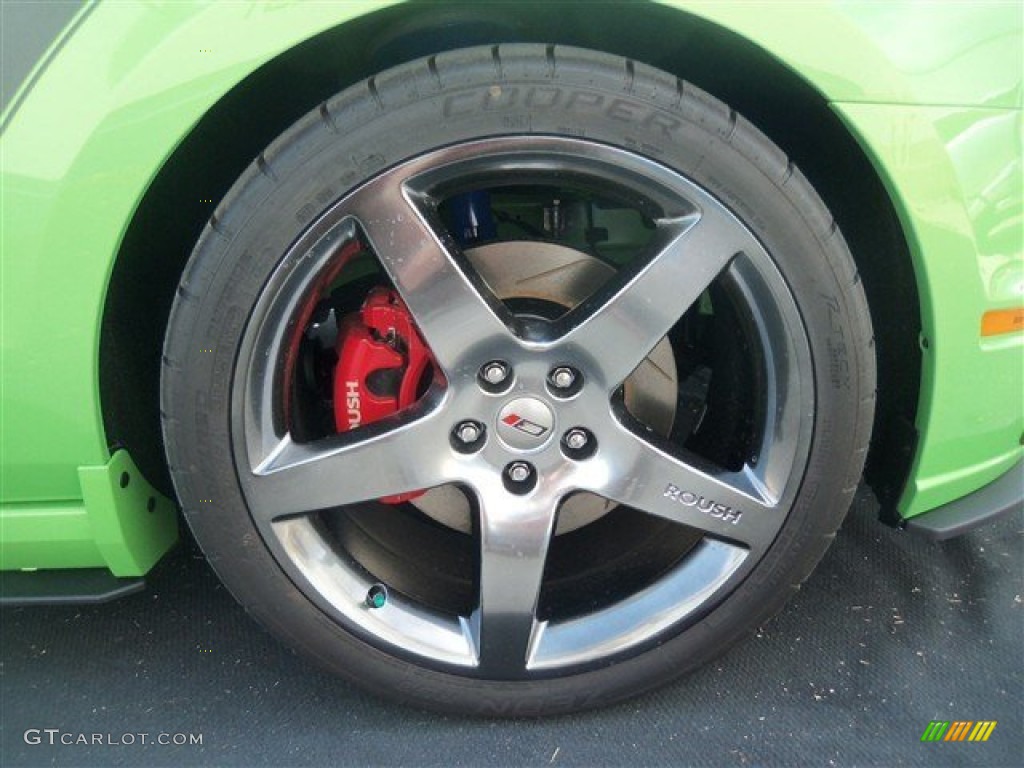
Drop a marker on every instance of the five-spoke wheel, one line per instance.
(525, 419)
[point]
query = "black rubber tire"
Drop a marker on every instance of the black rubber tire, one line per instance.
(467, 94)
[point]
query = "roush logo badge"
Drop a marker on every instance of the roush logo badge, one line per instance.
(705, 505)
(352, 404)
(524, 425)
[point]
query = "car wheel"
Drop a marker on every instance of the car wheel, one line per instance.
(517, 380)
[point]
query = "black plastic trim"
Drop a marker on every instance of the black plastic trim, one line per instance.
(77, 586)
(1002, 496)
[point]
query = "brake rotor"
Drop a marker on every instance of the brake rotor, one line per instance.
(559, 276)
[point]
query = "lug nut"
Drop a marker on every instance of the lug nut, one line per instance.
(564, 381)
(467, 432)
(519, 472)
(577, 439)
(495, 372)
(579, 444)
(467, 436)
(520, 477)
(563, 377)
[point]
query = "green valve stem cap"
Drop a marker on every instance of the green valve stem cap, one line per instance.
(377, 596)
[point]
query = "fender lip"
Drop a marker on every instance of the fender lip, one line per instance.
(1003, 496)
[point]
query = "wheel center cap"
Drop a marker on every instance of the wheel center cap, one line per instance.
(525, 423)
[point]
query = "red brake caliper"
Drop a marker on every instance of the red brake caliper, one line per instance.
(382, 361)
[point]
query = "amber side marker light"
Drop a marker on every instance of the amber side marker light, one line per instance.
(1002, 321)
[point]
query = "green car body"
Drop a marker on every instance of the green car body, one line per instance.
(129, 89)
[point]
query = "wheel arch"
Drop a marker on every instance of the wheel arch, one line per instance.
(226, 139)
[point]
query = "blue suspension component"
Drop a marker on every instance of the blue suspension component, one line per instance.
(474, 221)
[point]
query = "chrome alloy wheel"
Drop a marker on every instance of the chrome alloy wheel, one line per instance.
(735, 512)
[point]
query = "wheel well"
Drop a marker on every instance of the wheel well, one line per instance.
(167, 223)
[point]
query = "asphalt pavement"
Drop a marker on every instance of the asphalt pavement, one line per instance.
(891, 632)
